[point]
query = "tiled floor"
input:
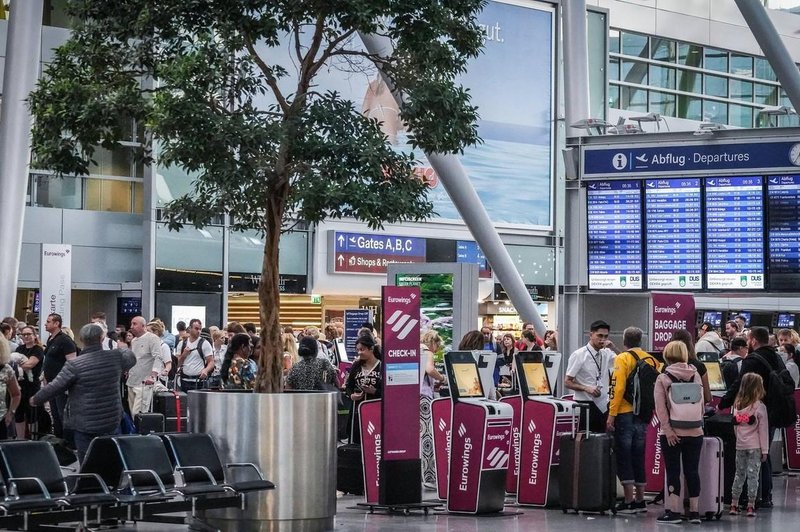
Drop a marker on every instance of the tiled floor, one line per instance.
(783, 517)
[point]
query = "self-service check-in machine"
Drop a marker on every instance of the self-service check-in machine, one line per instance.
(480, 440)
(542, 418)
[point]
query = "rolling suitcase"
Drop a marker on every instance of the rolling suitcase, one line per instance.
(721, 426)
(587, 474)
(349, 469)
(712, 484)
(172, 405)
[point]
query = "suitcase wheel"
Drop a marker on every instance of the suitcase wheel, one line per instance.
(563, 510)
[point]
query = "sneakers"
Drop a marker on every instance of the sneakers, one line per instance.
(669, 517)
(694, 518)
(625, 508)
(751, 512)
(638, 507)
(734, 510)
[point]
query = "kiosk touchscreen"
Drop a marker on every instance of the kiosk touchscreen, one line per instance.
(714, 372)
(480, 440)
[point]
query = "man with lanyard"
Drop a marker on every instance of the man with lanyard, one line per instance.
(59, 349)
(196, 358)
(588, 371)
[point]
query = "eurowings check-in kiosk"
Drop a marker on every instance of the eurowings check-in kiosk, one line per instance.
(480, 440)
(542, 418)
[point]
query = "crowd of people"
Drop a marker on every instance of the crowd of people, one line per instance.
(602, 375)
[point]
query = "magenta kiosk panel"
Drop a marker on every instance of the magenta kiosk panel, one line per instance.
(543, 418)
(480, 441)
(515, 402)
(791, 439)
(442, 417)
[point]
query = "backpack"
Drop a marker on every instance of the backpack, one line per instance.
(640, 386)
(174, 368)
(780, 395)
(730, 368)
(685, 402)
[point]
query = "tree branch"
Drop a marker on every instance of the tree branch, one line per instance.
(267, 71)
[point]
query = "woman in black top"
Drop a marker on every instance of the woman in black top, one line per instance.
(364, 381)
(685, 336)
(311, 372)
(29, 384)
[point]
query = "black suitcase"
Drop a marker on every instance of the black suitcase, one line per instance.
(343, 418)
(147, 422)
(349, 469)
(172, 424)
(587, 473)
(170, 404)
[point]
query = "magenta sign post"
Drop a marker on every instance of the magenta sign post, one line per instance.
(671, 312)
(401, 481)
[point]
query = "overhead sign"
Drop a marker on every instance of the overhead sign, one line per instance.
(370, 253)
(783, 195)
(671, 312)
(691, 159)
(56, 281)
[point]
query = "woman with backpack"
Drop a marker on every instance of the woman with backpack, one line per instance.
(682, 430)
(752, 446)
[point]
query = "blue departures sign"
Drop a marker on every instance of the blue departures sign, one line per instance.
(674, 258)
(615, 235)
(734, 232)
(783, 195)
(701, 159)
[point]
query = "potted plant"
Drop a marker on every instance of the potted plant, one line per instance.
(266, 146)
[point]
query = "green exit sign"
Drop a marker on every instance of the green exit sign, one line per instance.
(316, 299)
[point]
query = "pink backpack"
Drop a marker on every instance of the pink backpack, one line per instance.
(685, 401)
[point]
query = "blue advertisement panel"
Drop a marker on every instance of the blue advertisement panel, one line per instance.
(615, 235)
(674, 257)
(734, 232)
(783, 231)
(691, 159)
(353, 320)
(512, 169)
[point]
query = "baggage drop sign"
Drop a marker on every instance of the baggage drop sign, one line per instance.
(671, 312)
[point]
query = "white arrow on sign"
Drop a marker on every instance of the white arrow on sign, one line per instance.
(341, 259)
(341, 240)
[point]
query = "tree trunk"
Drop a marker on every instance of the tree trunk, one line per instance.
(270, 371)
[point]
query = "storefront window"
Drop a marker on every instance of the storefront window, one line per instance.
(246, 253)
(58, 192)
(189, 249)
(108, 195)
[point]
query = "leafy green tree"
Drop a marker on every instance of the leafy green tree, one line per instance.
(196, 75)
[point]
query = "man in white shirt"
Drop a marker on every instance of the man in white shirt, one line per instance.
(195, 358)
(147, 348)
(588, 375)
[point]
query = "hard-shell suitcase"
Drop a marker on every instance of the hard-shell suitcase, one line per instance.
(173, 406)
(588, 470)
(147, 422)
(349, 469)
(712, 485)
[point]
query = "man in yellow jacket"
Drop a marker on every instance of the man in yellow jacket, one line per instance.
(629, 430)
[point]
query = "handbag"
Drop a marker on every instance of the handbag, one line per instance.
(329, 385)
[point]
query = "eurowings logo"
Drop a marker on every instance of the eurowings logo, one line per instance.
(462, 430)
(442, 424)
(401, 323)
(654, 422)
(498, 458)
(531, 427)
(370, 428)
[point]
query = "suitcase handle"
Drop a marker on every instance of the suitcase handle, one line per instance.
(576, 416)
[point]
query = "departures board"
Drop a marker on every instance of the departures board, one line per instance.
(733, 233)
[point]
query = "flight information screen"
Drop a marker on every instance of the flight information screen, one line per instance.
(783, 231)
(673, 229)
(615, 235)
(734, 232)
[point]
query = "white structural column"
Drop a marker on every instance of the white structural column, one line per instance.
(576, 65)
(23, 52)
(456, 182)
(755, 14)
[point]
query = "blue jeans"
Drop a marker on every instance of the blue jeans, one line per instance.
(83, 439)
(629, 437)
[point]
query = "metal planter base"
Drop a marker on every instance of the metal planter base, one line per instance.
(292, 438)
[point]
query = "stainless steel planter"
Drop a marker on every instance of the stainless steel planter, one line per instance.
(292, 438)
